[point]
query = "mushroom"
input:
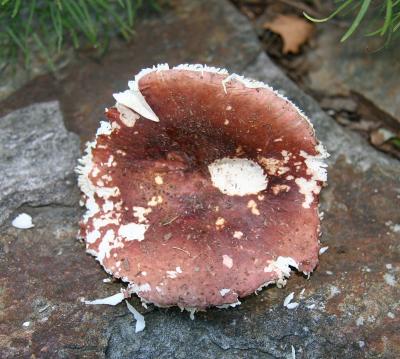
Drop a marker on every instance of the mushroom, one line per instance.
(202, 188)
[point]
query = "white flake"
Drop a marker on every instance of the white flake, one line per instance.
(140, 323)
(112, 300)
(126, 115)
(238, 234)
(292, 305)
(134, 100)
(23, 221)
(288, 299)
(322, 250)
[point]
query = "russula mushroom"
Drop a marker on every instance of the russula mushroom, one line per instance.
(202, 188)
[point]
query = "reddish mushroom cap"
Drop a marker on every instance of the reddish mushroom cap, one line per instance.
(202, 187)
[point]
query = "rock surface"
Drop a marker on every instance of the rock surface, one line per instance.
(37, 158)
(349, 308)
(356, 67)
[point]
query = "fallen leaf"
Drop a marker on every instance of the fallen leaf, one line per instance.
(294, 30)
(380, 136)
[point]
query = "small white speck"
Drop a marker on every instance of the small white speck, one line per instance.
(26, 324)
(227, 261)
(361, 343)
(333, 291)
(322, 250)
(224, 291)
(328, 272)
(390, 315)
(360, 321)
(311, 306)
(107, 280)
(390, 279)
(238, 234)
(292, 305)
(23, 221)
(158, 180)
(389, 266)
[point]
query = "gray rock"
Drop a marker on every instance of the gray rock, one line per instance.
(355, 66)
(37, 156)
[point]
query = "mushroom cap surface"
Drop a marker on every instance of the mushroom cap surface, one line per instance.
(202, 188)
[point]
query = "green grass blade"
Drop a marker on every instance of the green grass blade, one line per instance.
(331, 16)
(388, 17)
(363, 10)
(45, 52)
(17, 6)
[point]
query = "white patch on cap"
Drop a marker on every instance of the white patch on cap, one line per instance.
(155, 200)
(158, 180)
(140, 213)
(281, 266)
(134, 100)
(126, 115)
(135, 288)
(237, 176)
(252, 205)
(238, 234)
(174, 273)
(108, 206)
(316, 168)
(308, 188)
(280, 188)
(23, 221)
(220, 223)
(227, 261)
(133, 231)
(224, 291)
(108, 242)
(93, 236)
(273, 166)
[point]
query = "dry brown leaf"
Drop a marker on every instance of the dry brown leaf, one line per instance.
(294, 30)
